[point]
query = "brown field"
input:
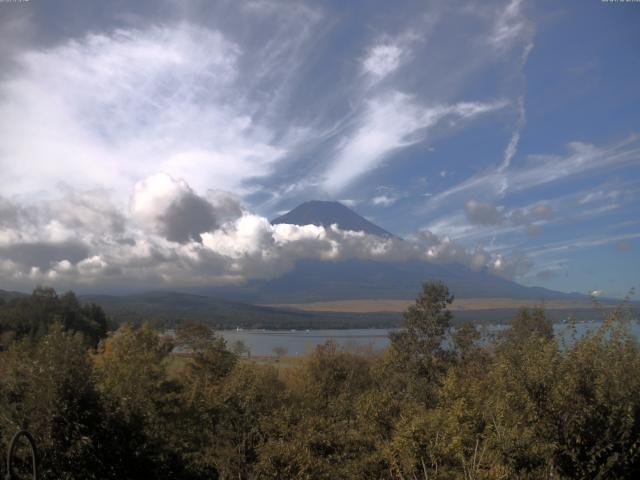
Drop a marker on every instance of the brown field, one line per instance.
(390, 305)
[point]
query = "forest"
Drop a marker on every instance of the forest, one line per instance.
(107, 401)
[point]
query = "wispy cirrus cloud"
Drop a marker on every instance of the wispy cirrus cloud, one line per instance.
(582, 243)
(388, 123)
(111, 108)
(581, 159)
(511, 26)
(382, 60)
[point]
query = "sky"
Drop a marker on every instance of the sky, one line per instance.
(149, 143)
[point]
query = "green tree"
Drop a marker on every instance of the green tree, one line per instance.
(529, 323)
(465, 340)
(319, 432)
(208, 367)
(32, 316)
(194, 336)
(240, 348)
(417, 351)
(247, 396)
(280, 352)
(47, 389)
(142, 402)
(593, 418)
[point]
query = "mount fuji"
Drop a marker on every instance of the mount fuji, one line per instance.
(316, 280)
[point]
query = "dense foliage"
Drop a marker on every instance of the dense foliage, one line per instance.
(32, 317)
(437, 404)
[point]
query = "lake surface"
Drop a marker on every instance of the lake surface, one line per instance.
(299, 342)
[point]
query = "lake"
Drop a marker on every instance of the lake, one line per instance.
(299, 342)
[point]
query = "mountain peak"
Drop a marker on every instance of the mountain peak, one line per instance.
(326, 213)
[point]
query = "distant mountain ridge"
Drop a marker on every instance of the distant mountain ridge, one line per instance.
(325, 214)
(9, 295)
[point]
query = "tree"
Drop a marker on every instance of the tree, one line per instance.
(593, 417)
(32, 317)
(529, 323)
(464, 340)
(247, 396)
(320, 432)
(142, 403)
(240, 348)
(194, 336)
(426, 321)
(280, 352)
(47, 389)
(417, 350)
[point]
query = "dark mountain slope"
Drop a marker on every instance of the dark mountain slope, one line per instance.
(314, 280)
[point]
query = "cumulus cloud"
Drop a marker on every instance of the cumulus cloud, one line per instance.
(172, 209)
(510, 266)
(442, 249)
(483, 219)
(171, 235)
(90, 210)
(10, 213)
(42, 255)
(480, 213)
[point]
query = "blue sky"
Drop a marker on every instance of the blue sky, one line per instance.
(150, 142)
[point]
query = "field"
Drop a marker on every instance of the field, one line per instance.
(391, 305)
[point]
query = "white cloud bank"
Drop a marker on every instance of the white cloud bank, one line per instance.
(171, 235)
